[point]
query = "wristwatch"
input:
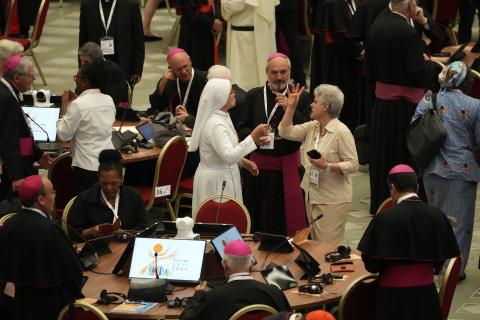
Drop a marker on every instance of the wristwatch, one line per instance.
(329, 167)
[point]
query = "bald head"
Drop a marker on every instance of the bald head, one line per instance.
(181, 65)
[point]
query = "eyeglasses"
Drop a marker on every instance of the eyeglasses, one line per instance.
(28, 75)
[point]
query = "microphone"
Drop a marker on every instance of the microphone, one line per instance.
(41, 128)
(288, 239)
(124, 140)
(224, 183)
(156, 266)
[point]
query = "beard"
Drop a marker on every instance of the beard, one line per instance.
(278, 85)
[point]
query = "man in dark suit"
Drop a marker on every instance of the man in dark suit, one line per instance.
(37, 256)
(116, 84)
(405, 244)
(17, 149)
(117, 27)
(241, 290)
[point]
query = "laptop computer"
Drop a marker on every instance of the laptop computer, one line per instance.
(203, 229)
(177, 261)
(43, 122)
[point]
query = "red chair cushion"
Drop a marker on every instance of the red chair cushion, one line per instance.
(186, 185)
(475, 88)
(61, 176)
(79, 313)
(25, 42)
(229, 212)
(255, 315)
(146, 192)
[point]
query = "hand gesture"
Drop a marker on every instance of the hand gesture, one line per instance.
(294, 96)
(251, 167)
(320, 163)
(201, 287)
(47, 159)
(169, 75)
(181, 113)
(260, 134)
(217, 25)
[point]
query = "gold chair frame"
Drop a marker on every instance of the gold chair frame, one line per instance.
(250, 308)
(380, 207)
(6, 217)
(84, 306)
(66, 212)
(350, 288)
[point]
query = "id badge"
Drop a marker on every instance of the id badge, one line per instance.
(106, 43)
(270, 145)
(314, 176)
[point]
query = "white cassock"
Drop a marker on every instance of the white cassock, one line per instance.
(247, 51)
(220, 154)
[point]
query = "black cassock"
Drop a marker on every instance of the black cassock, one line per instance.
(334, 57)
(394, 57)
(409, 233)
(222, 302)
(39, 259)
(263, 195)
(196, 35)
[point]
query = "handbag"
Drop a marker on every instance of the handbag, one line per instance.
(426, 135)
(165, 127)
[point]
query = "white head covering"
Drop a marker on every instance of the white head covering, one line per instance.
(214, 96)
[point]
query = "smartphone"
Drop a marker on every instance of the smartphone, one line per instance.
(314, 154)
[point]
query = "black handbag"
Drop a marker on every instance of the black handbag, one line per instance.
(426, 135)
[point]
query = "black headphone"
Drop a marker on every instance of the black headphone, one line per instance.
(314, 287)
(326, 278)
(111, 297)
(177, 302)
(342, 252)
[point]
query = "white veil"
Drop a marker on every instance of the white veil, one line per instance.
(214, 96)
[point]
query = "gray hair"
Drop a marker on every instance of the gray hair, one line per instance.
(92, 50)
(21, 68)
(219, 72)
(9, 48)
(238, 263)
(331, 95)
(399, 4)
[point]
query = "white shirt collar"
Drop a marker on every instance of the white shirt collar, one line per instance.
(405, 197)
(36, 210)
(410, 21)
(240, 276)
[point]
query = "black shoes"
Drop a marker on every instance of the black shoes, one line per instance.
(152, 38)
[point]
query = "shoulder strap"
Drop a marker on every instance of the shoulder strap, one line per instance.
(434, 101)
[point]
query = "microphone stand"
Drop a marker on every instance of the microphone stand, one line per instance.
(48, 146)
(224, 183)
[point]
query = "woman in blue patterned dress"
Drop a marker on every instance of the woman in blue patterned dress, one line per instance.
(451, 178)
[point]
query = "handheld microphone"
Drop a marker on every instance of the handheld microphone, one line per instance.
(41, 128)
(224, 183)
(288, 239)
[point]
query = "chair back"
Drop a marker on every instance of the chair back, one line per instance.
(61, 176)
(9, 6)
(39, 22)
(448, 285)
(476, 85)
(253, 312)
(358, 301)
(445, 12)
(81, 311)
(386, 204)
(168, 170)
(65, 214)
(5, 217)
(230, 211)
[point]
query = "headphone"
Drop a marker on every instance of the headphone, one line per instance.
(326, 278)
(313, 288)
(342, 252)
(111, 297)
(177, 302)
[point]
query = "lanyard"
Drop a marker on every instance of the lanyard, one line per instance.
(187, 92)
(106, 26)
(114, 210)
(269, 118)
(319, 143)
(351, 6)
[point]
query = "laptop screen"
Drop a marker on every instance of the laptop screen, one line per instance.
(222, 240)
(146, 131)
(177, 260)
(46, 118)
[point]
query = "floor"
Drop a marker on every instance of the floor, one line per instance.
(57, 55)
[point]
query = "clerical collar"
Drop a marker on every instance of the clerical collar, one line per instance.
(240, 276)
(36, 210)
(407, 196)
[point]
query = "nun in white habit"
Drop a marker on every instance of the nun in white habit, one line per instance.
(220, 151)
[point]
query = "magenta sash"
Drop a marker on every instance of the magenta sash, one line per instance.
(26, 146)
(394, 92)
(292, 194)
(408, 275)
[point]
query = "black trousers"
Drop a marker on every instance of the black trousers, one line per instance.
(83, 179)
(466, 10)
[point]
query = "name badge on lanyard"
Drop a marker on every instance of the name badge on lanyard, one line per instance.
(106, 43)
(271, 135)
(314, 176)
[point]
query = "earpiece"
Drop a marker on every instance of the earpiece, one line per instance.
(314, 288)
(111, 297)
